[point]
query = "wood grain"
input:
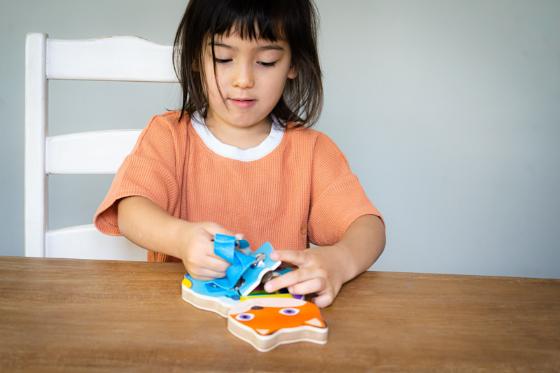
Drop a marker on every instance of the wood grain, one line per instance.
(85, 315)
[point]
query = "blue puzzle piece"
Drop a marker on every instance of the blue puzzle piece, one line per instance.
(245, 272)
(209, 289)
(235, 271)
(224, 246)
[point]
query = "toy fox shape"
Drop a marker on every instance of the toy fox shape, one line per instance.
(268, 322)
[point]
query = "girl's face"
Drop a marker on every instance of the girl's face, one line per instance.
(250, 74)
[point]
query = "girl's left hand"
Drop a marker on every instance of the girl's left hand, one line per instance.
(319, 271)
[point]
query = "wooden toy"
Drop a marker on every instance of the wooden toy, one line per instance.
(265, 320)
(266, 323)
(245, 273)
(222, 304)
(218, 304)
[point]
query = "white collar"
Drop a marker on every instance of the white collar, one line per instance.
(233, 152)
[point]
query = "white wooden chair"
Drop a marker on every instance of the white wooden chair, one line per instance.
(123, 58)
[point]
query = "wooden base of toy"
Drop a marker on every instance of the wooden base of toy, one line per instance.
(221, 305)
(265, 344)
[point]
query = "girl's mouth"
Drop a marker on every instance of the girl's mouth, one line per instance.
(242, 102)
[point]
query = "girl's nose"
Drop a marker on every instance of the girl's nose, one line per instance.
(244, 77)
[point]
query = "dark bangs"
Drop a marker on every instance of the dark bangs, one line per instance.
(250, 21)
(294, 21)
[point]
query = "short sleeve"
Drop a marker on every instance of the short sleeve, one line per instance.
(149, 171)
(337, 198)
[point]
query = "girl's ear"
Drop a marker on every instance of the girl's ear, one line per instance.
(292, 73)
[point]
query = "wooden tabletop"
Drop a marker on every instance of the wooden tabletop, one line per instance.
(78, 315)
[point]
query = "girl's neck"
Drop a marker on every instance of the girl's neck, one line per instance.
(240, 137)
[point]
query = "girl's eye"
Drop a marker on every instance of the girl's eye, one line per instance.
(267, 64)
(222, 60)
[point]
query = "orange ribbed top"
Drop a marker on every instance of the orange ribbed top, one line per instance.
(302, 191)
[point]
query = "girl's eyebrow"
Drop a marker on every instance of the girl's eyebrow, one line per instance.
(260, 48)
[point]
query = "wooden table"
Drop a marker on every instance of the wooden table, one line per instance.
(77, 315)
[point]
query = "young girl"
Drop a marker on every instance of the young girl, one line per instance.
(240, 158)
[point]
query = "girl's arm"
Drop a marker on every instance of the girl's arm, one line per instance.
(362, 244)
(148, 225)
(325, 269)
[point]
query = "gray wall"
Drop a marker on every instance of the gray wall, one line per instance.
(448, 111)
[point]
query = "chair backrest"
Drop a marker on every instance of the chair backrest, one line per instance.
(123, 58)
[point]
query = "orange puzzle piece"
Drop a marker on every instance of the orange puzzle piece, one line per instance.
(268, 322)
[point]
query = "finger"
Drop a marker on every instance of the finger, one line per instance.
(215, 263)
(212, 229)
(323, 300)
(314, 285)
(201, 278)
(205, 274)
(289, 279)
(297, 257)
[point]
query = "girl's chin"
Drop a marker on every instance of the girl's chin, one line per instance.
(240, 120)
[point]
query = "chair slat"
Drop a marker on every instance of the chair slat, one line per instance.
(36, 93)
(99, 152)
(85, 242)
(123, 58)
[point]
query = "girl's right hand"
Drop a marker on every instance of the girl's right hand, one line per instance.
(197, 251)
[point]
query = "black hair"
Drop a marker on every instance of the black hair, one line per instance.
(294, 21)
